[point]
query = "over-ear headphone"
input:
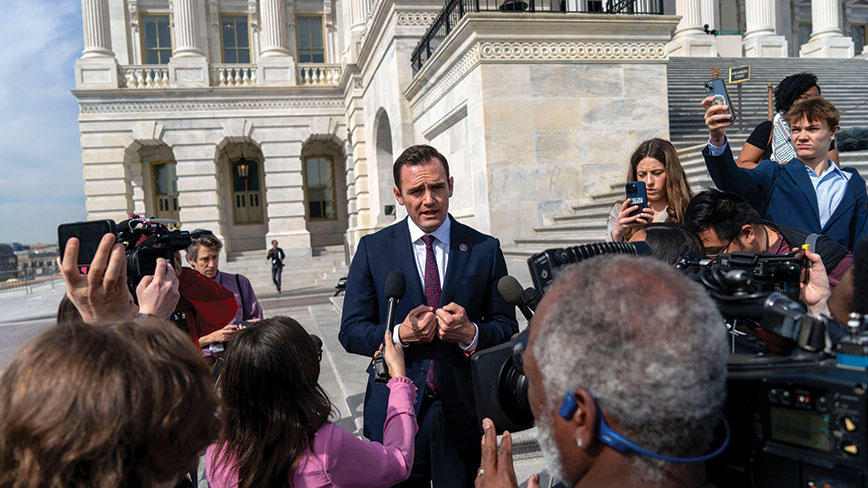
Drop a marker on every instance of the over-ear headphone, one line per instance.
(618, 442)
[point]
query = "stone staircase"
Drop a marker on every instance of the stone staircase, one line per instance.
(301, 273)
(842, 82)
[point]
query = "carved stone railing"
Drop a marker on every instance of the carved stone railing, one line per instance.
(310, 74)
(145, 76)
(233, 74)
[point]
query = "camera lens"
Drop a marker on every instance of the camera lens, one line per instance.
(631, 188)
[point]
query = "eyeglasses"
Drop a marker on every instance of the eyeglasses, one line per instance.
(722, 250)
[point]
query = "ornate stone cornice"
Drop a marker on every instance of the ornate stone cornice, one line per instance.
(467, 62)
(535, 51)
(416, 18)
(206, 106)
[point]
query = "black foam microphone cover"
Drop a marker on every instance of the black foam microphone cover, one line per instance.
(395, 285)
(510, 289)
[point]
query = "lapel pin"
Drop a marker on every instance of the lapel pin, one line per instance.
(462, 247)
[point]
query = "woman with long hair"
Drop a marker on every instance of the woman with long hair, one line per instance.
(771, 138)
(656, 163)
(275, 419)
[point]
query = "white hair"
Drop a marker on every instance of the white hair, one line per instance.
(647, 342)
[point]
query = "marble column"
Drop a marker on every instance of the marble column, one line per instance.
(185, 29)
(708, 14)
(689, 38)
(827, 40)
(97, 32)
(273, 24)
(760, 39)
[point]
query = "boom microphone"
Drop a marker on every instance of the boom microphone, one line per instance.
(510, 289)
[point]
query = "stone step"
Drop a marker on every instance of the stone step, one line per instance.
(578, 225)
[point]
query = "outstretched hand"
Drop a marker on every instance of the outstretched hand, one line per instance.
(815, 293)
(496, 470)
(101, 295)
(158, 293)
(394, 356)
(717, 119)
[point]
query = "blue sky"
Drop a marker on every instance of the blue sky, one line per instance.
(41, 182)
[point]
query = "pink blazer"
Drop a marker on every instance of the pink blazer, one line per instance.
(338, 458)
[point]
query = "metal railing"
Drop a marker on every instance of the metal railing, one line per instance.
(455, 10)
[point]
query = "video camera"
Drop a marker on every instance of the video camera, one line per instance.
(499, 382)
(144, 240)
(799, 420)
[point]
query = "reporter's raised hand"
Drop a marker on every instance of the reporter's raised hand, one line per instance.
(815, 293)
(102, 294)
(420, 325)
(717, 120)
(158, 293)
(626, 221)
(394, 357)
(496, 470)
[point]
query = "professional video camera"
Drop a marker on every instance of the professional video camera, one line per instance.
(144, 240)
(799, 420)
(499, 382)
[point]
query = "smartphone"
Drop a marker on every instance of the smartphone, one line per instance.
(635, 191)
(717, 88)
(88, 233)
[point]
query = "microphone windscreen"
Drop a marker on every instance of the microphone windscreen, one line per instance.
(510, 289)
(395, 285)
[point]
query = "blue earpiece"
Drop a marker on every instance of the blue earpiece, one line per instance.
(618, 442)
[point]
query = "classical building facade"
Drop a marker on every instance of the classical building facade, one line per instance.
(280, 119)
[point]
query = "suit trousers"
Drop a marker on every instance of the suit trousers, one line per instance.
(276, 271)
(438, 459)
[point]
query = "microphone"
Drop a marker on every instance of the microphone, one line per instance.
(526, 300)
(394, 289)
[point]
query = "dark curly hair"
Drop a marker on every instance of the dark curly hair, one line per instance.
(791, 88)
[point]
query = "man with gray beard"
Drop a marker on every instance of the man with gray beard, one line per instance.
(621, 344)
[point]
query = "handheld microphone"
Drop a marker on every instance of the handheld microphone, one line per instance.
(394, 290)
(526, 300)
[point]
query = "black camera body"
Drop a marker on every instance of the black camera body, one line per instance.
(798, 421)
(144, 240)
(499, 383)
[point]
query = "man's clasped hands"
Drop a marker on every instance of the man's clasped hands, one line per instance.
(448, 323)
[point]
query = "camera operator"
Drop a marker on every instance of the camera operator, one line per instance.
(630, 342)
(726, 222)
(204, 255)
(102, 294)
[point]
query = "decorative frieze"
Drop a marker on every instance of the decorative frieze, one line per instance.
(416, 18)
(207, 106)
(533, 51)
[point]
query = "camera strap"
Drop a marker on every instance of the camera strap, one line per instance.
(241, 294)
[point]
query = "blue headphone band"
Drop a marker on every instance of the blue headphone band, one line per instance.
(618, 442)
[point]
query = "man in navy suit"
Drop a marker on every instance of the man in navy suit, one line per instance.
(440, 325)
(810, 192)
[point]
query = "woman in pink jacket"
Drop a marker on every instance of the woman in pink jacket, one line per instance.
(275, 420)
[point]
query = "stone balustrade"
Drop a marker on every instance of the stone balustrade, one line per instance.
(233, 74)
(145, 76)
(319, 74)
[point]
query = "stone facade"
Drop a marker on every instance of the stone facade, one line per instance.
(530, 109)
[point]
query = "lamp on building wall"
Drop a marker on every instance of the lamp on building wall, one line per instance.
(242, 169)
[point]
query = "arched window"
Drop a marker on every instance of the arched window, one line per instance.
(319, 183)
(246, 194)
(165, 184)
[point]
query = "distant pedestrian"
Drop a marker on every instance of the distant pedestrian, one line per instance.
(276, 255)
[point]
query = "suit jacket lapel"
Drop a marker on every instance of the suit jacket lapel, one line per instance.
(798, 172)
(402, 250)
(459, 251)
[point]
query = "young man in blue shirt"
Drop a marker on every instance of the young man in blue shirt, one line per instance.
(810, 192)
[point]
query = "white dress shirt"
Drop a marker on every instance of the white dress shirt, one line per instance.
(441, 255)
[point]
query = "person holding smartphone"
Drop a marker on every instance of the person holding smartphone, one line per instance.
(655, 163)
